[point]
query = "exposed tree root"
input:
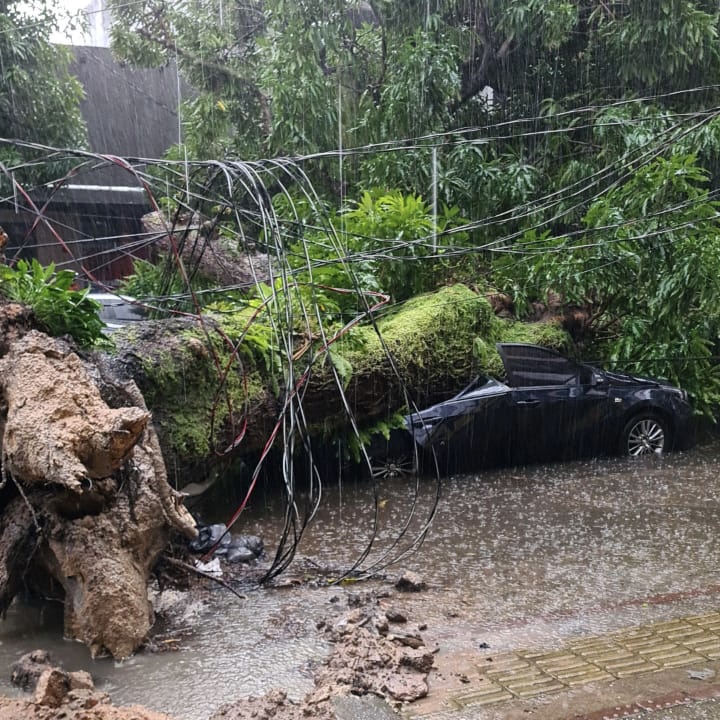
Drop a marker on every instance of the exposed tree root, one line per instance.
(90, 508)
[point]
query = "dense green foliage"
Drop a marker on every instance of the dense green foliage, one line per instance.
(59, 308)
(39, 99)
(579, 138)
(646, 266)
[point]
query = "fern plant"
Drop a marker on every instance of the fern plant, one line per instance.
(59, 308)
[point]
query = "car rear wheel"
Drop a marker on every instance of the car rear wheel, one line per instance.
(645, 434)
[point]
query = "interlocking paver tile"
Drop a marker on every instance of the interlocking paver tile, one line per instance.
(663, 655)
(704, 618)
(528, 675)
(686, 633)
(585, 673)
(630, 664)
(541, 686)
(630, 670)
(589, 677)
(657, 648)
(679, 660)
(559, 665)
(608, 656)
(482, 697)
(709, 649)
(709, 622)
(642, 644)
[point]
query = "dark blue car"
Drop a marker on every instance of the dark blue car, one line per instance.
(548, 407)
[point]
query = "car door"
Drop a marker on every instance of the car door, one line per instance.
(549, 394)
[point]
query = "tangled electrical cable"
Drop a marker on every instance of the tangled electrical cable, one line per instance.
(237, 193)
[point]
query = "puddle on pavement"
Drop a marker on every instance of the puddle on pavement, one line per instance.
(521, 557)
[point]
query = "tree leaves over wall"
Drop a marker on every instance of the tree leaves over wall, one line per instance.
(39, 99)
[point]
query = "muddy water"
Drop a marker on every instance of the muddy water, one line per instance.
(514, 558)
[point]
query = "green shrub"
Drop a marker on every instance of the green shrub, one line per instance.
(60, 309)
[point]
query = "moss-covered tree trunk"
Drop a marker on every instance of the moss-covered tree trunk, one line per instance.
(206, 397)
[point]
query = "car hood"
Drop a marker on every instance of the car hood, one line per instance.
(458, 405)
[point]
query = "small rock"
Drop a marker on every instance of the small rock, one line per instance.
(421, 661)
(395, 616)
(81, 680)
(405, 688)
(410, 582)
(52, 688)
(413, 641)
(27, 670)
(87, 699)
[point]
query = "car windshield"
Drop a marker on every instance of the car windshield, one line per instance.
(481, 381)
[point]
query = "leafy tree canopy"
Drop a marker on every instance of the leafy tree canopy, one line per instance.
(579, 137)
(519, 112)
(295, 78)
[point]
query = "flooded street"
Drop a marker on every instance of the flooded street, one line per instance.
(516, 558)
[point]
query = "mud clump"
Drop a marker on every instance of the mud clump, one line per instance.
(86, 439)
(85, 506)
(368, 660)
(61, 695)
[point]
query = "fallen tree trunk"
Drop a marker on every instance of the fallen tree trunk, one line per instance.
(208, 393)
(85, 503)
(85, 507)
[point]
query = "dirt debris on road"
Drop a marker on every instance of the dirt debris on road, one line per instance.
(373, 655)
(61, 695)
(378, 657)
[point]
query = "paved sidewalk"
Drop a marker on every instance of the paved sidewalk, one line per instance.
(629, 673)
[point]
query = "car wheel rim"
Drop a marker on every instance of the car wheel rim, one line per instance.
(401, 467)
(646, 437)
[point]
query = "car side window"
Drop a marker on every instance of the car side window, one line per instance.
(531, 366)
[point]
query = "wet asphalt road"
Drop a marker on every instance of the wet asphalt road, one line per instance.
(537, 554)
(515, 559)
